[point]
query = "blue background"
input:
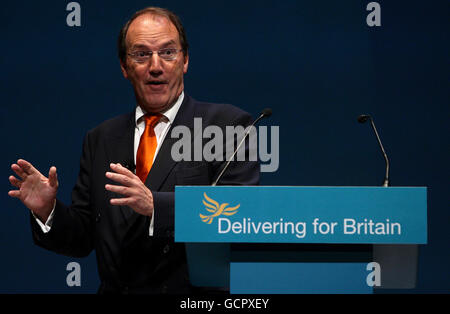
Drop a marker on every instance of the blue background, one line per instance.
(316, 63)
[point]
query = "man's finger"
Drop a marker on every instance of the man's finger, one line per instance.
(120, 178)
(53, 177)
(15, 182)
(18, 170)
(121, 201)
(27, 167)
(118, 189)
(122, 170)
(14, 193)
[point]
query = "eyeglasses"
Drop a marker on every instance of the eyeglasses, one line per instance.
(167, 54)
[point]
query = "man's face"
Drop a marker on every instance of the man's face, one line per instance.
(157, 83)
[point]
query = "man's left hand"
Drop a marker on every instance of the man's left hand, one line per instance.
(136, 195)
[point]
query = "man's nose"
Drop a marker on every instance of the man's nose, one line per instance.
(155, 67)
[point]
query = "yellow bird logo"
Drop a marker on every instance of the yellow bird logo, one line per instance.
(213, 207)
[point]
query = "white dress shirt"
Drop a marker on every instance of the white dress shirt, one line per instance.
(161, 129)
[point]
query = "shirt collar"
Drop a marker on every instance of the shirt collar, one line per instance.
(169, 114)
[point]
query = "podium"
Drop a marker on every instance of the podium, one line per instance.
(292, 240)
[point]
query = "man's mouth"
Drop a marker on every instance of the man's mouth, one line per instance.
(157, 86)
(156, 83)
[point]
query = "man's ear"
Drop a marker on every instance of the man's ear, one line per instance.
(123, 67)
(186, 64)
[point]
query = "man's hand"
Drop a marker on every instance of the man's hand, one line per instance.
(136, 194)
(36, 192)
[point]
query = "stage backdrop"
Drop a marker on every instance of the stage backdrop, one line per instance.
(316, 63)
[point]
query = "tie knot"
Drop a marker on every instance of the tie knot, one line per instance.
(152, 119)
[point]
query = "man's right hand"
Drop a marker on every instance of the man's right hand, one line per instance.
(37, 192)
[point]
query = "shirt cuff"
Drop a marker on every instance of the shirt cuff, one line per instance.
(151, 228)
(48, 224)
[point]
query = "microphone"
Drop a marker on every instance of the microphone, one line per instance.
(363, 119)
(264, 114)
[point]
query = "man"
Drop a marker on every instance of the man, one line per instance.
(127, 217)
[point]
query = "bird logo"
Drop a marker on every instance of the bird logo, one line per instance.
(216, 210)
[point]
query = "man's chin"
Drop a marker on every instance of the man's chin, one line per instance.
(156, 105)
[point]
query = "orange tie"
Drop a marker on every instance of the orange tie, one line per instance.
(147, 147)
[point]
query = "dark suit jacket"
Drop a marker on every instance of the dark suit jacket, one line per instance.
(129, 260)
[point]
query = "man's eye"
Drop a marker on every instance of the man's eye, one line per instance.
(167, 52)
(141, 54)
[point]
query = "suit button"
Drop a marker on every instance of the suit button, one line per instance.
(166, 249)
(97, 218)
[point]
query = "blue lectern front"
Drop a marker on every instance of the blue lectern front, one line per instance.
(273, 240)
